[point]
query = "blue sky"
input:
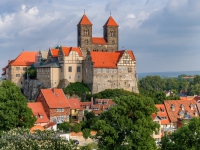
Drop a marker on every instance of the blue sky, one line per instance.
(163, 34)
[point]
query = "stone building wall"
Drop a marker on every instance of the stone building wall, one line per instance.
(17, 75)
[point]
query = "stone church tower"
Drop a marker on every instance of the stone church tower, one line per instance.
(109, 41)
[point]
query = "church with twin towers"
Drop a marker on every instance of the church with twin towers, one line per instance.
(107, 43)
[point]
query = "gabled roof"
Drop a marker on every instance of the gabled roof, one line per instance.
(74, 103)
(38, 111)
(174, 115)
(104, 104)
(24, 59)
(111, 22)
(55, 98)
(98, 40)
(50, 64)
(54, 52)
(44, 54)
(108, 59)
(162, 113)
(67, 50)
(84, 21)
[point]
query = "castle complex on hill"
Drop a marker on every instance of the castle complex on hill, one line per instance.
(96, 61)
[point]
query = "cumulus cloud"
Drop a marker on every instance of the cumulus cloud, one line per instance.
(131, 16)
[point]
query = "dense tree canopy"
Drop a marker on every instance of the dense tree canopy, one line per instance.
(77, 88)
(14, 111)
(185, 138)
(127, 125)
(22, 139)
(31, 73)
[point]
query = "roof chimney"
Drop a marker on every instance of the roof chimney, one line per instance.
(53, 90)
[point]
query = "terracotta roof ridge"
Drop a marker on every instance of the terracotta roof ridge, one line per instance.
(85, 20)
(45, 97)
(66, 99)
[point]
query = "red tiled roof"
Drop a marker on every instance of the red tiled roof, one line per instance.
(74, 103)
(36, 127)
(174, 115)
(67, 50)
(187, 97)
(111, 22)
(108, 59)
(55, 98)
(38, 110)
(84, 20)
(54, 52)
(162, 113)
(98, 40)
(50, 124)
(102, 105)
(24, 59)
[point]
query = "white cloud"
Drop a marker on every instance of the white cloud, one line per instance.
(131, 16)
(33, 11)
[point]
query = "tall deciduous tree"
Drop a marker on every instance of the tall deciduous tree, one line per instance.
(127, 125)
(14, 111)
(185, 138)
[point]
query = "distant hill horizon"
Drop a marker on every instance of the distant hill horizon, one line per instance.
(168, 73)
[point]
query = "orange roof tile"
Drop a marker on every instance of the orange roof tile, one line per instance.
(67, 50)
(98, 40)
(84, 20)
(54, 52)
(50, 124)
(74, 103)
(162, 113)
(174, 115)
(24, 59)
(187, 97)
(107, 59)
(55, 98)
(36, 127)
(111, 22)
(38, 110)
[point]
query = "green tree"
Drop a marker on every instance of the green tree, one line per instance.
(22, 139)
(31, 73)
(90, 119)
(196, 79)
(76, 127)
(185, 138)
(128, 125)
(90, 146)
(65, 126)
(86, 133)
(195, 89)
(77, 88)
(14, 111)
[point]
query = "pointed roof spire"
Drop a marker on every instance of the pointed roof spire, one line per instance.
(111, 22)
(84, 20)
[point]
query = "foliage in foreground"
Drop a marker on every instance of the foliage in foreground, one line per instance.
(185, 138)
(128, 125)
(89, 146)
(21, 138)
(76, 88)
(14, 111)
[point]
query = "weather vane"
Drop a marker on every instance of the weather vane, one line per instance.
(84, 11)
(110, 13)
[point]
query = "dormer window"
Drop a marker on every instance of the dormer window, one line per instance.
(99, 102)
(173, 107)
(196, 113)
(182, 107)
(192, 106)
(105, 103)
(41, 116)
(96, 108)
(181, 114)
(162, 110)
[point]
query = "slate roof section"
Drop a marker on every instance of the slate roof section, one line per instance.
(55, 98)
(51, 64)
(38, 111)
(174, 116)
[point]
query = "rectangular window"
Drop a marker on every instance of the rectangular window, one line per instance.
(78, 69)
(104, 70)
(110, 70)
(17, 75)
(17, 68)
(69, 77)
(115, 70)
(48, 76)
(70, 69)
(24, 68)
(99, 70)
